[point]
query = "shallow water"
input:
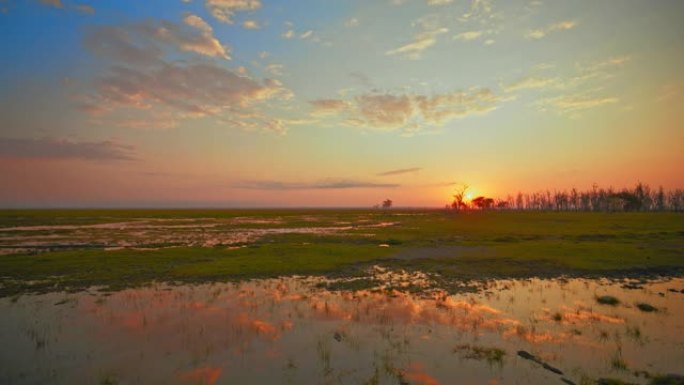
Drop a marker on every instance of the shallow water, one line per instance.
(292, 331)
(150, 233)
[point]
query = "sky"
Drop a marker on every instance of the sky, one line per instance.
(263, 103)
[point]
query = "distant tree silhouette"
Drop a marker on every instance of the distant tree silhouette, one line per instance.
(639, 198)
(458, 203)
(387, 203)
(483, 202)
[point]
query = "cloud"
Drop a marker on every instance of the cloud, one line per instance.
(439, 2)
(407, 111)
(118, 44)
(224, 10)
(400, 171)
(250, 24)
(469, 35)
(531, 82)
(480, 11)
(421, 42)
(574, 103)
(275, 69)
(203, 43)
(197, 22)
(329, 106)
(543, 32)
(601, 69)
(141, 78)
(289, 34)
(440, 108)
(198, 89)
(385, 110)
(144, 43)
(322, 185)
(65, 149)
(306, 34)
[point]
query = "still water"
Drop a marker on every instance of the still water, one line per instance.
(293, 331)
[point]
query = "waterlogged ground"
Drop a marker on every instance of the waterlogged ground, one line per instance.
(43, 251)
(367, 297)
(296, 331)
(156, 233)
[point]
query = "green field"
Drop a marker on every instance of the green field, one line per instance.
(453, 247)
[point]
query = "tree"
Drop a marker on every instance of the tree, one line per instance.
(387, 203)
(660, 199)
(458, 202)
(483, 202)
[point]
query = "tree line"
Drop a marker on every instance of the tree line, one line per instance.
(639, 198)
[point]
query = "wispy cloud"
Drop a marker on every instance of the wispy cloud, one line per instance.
(225, 10)
(531, 82)
(322, 185)
(469, 35)
(251, 24)
(329, 106)
(575, 103)
(543, 32)
(400, 171)
(141, 77)
(390, 111)
(66, 149)
(420, 43)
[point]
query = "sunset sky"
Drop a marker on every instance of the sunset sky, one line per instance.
(251, 103)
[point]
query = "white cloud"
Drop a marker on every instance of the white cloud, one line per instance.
(543, 32)
(306, 34)
(408, 112)
(469, 35)
(142, 79)
(531, 82)
(204, 43)
(439, 2)
(224, 10)
(197, 22)
(251, 24)
(329, 106)
(574, 103)
(421, 42)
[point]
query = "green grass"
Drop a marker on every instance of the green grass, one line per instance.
(456, 246)
(481, 353)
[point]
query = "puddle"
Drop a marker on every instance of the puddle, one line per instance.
(293, 331)
(158, 233)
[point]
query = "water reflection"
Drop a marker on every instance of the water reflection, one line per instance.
(150, 233)
(293, 331)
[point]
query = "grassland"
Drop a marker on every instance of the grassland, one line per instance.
(450, 246)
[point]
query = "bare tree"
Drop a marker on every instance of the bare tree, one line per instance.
(458, 203)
